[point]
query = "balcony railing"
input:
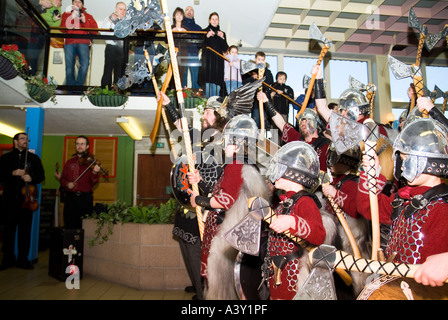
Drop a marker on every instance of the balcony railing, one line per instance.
(43, 47)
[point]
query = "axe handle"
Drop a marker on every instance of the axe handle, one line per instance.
(164, 118)
(348, 262)
(373, 198)
(323, 52)
(261, 107)
(444, 104)
(343, 221)
(180, 100)
(165, 84)
(371, 98)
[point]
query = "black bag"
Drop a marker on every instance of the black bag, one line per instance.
(66, 252)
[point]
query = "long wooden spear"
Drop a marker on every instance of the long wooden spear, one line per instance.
(180, 101)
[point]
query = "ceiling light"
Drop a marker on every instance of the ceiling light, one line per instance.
(129, 126)
(8, 130)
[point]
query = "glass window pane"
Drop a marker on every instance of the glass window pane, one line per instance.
(340, 72)
(296, 68)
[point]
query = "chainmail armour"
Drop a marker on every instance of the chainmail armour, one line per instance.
(406, 238)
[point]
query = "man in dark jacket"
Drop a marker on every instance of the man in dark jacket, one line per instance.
(20, 172)
(193, 49)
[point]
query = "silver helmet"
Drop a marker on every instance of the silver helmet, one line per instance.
(312, 119)
(240, 130)
(296, 161)
(425, 143)
(354, 102)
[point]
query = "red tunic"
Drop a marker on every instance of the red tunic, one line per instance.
(290, 134)
(345, 196)
(414, 238)
(309, 227)
(225, 192)
(72, 170)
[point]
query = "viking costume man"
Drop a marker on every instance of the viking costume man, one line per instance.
(293, 168)
(228, 205)
(417, 212)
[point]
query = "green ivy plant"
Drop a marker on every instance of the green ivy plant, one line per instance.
(120, 212)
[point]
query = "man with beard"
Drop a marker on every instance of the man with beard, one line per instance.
(308, 123)
(186, 225)
(78, 181)
(17, 169)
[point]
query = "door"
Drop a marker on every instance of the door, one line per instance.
(153, 179)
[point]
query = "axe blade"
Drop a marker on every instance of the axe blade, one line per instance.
(399, 69)
(315, 34)
(415, 23)
(346, 133)
(247, 66)
(438, 92)
(318, 286)
(306, 81)
(320, 283)
(245, 235)
(356, 84)
(432, 39)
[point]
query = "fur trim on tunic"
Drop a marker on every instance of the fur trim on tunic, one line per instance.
(221, 260)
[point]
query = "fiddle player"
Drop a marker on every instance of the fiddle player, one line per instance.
(20, 172)
(78, 178)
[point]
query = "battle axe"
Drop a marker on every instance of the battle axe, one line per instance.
(340, 260)
(346, 134)
(245, 236)
(370, 91)
(436, 94)
(315, 34)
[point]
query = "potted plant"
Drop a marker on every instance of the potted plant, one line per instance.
(12, 61)
(120, 212)
(41, 89)
(193, 98)
(105, 97)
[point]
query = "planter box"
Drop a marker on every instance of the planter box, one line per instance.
(140, 256)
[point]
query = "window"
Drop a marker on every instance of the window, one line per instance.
(296, 68)
(340, 72)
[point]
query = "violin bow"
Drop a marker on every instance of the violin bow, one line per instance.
(180, 100)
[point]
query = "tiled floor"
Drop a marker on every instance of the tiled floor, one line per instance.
(36, 284)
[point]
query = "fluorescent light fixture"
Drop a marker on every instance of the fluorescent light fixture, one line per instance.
(129, 126)
(8, 130)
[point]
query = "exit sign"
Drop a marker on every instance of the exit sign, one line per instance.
(160, 145)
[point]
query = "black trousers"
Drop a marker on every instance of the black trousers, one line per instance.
(16, 219)
(113, 64)
(76, 206)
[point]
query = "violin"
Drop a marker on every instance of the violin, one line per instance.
(29, 192)
(89, 160)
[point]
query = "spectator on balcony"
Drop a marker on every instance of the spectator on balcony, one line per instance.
(179, 41)
(75, 20)
(212, 63)
(114, 60)
(193, 49)
(232, 70)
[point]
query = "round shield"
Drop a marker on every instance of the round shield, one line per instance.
(208, 167)
(179, 182)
